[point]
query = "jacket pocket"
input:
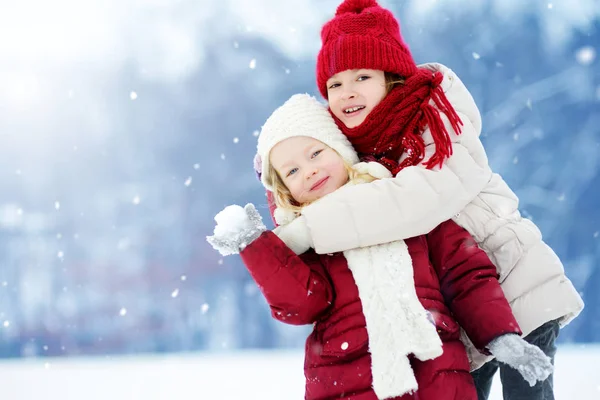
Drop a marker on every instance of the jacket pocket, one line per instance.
(346, 344)
(447, 328)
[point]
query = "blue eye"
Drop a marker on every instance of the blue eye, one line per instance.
(334, 85)
(363, 77)
(316, 153)
(292, 171)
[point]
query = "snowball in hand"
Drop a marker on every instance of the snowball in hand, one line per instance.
(231, 221)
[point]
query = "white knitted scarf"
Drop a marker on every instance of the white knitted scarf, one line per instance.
(397, 323)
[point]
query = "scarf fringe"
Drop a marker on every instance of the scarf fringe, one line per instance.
(440, 134)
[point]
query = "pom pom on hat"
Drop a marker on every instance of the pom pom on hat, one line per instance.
(355, 6)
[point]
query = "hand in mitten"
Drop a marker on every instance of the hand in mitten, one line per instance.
(372, 168)
(236, 228)
(526, 358)
(295, 235)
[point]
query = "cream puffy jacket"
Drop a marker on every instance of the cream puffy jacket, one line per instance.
(467, 191)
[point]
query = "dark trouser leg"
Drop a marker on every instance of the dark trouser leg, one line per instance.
(514, 387)
(483, 379)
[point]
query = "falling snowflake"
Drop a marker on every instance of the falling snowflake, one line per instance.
(252, 63)
(6, 324)
(175, 293)
(196, 166)
(183, 277)
(585, 55)
(123, 312)
(255, 133)
(188, 181)
(136, 200)
(550, 6)
(344, 346)
(222, 156)
(236, 140)
(133, 95)
(57, 205)
(476, 56)
(204, 308)
(60, 254)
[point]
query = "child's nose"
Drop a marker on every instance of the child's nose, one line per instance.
(348, 94)
(312, 172)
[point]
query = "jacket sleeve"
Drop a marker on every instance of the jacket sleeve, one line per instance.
(469, 285)
(296, 288)
(413, 202)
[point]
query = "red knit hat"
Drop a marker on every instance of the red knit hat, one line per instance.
(362, 35)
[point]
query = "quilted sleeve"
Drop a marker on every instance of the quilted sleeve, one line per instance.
(296, 288)
(469, 285)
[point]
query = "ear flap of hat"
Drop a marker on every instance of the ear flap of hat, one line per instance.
(355, 6)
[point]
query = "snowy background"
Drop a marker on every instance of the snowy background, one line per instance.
(264, 375)
(127, 125)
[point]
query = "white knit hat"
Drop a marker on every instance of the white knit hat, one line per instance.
(301, 115)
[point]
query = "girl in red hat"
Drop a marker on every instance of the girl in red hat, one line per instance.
(386, 318)
(423, 125)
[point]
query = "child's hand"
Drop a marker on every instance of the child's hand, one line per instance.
(526, 358)
(236, 228)
(375, 169)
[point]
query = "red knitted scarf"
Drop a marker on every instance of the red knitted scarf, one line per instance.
(397, 123)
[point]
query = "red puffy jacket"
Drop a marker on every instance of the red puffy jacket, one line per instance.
(454, 280)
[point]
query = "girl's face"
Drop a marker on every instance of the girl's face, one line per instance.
(309, 168)
(352, 94)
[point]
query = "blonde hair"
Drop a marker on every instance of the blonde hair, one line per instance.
(284, 199)
(391, 81)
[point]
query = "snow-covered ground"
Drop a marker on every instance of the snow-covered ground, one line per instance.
(264, 375)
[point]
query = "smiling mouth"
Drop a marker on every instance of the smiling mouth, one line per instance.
(319, 184)
(352, 110)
